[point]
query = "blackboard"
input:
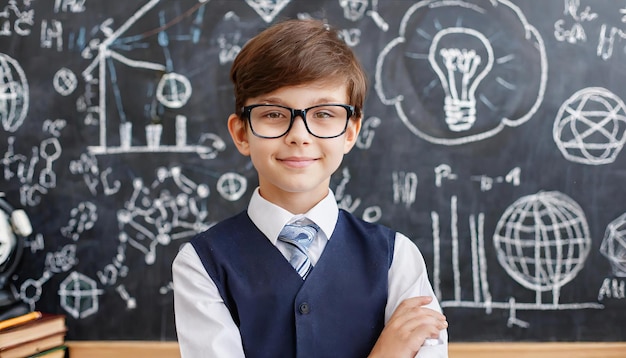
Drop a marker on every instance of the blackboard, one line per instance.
(493, 137)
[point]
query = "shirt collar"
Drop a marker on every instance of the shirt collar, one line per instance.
(270, 218)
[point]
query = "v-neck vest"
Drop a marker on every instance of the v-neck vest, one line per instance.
(338, 311)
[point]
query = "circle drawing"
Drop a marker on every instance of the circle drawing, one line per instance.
(13, 94)
(173, 90)
(542, 240)
(590, 127)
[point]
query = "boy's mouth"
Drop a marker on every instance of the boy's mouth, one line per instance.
(297, 162)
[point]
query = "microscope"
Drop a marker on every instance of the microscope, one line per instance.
(14, 228)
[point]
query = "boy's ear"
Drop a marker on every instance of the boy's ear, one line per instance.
(239, 133)
(352, 133)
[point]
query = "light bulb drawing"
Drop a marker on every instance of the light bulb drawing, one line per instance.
(460, 71)
(452, 74)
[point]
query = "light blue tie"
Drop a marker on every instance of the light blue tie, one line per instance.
(298, 237)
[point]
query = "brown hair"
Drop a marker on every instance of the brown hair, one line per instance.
(294, 52)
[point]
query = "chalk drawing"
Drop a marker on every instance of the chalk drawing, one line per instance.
(441, 55)
(613, 245)
(590, 127)
(35, 173)
(79, 295)
(268, 9)
(82, 218)
(353, 10)
(131, 302)
(14, 96)
(232, 186)
(62, 260)
(31, 289)
(173, 207)
(173, 89)
(541, 241)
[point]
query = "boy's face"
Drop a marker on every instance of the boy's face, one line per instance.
(296, 167)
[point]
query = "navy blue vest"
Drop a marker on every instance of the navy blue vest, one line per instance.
(338, 311)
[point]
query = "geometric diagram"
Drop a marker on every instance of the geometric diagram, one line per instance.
(64, 81)
(173, 91)
(541, 241)
(56, 262)
(232, 186)
(590, 127)
(36, 174)
(62, 260)
(79, 295)
(614, 245)
(267, 9)
(172, 208)
(31, 289)
(454, 63)
(83, 218)
(13, 94)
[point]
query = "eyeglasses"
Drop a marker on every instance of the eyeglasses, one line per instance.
(322, 121)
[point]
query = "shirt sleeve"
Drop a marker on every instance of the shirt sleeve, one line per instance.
(408, 278)
(204, 326)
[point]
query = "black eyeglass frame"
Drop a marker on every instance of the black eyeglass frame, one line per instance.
(245, 113)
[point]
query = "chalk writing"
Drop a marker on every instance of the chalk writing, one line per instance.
(23, 22)
(612, 288)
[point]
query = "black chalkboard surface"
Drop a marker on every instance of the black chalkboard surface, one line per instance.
(493, 137)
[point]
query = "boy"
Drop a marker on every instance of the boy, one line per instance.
(242, 288)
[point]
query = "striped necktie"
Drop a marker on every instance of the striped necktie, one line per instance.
(298, 237)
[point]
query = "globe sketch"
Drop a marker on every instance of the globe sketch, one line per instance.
(13, 94)
(542, 241)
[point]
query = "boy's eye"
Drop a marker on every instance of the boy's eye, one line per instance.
(275, 114)
(322, 114)
(325, 112)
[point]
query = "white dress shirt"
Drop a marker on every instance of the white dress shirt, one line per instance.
(204, 325)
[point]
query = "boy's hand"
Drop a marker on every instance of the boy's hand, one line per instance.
(409, 326)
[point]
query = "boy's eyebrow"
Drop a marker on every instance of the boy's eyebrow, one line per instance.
(278, 100)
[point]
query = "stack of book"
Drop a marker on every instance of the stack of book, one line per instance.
(34, 334)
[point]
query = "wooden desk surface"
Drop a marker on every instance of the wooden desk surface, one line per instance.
(132, 349)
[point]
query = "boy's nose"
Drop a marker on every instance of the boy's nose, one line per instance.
(298, 130)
